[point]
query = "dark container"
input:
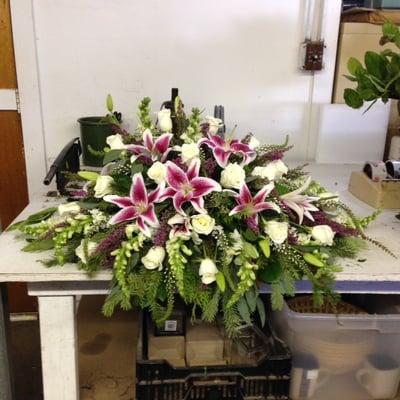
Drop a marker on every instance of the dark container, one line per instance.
(94, 133)
(159, 380)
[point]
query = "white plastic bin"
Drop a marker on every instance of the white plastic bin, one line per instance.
(349, 357)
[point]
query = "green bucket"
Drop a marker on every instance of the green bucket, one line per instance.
(93, 135)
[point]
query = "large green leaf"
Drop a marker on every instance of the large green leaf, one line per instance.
(244, 311)
(353, 65)
(251, 298)
(375, 64)
(271, 272)
(39, 245)
(368, 94)
(111, 155)
(352, 98)
(261, 310)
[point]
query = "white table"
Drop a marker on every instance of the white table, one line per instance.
(57, 287)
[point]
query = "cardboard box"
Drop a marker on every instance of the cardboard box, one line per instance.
(169, 348)
(384, 194)
(204, 345)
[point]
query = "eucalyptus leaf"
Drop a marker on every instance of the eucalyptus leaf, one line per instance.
(39, 245)
(251, 298)
(250, 235)
(111, 155)
(136, 168)
(220, 279)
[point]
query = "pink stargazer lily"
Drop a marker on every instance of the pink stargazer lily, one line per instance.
(138, 206)
(156, 150)
(251, 206)
(300, 203)
(188, 187)
(222, 149)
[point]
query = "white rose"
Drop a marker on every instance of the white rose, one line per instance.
(154, 258)
(69, 208)
(254, 143)
(189, 151)
(207, 271)
(91, 247)
(233, 176)
(277, 231)
(115, 142)
(164, 120)
(203, 224)
(323, 234)
(214, 124)
(157, 172)
(272, 171)
(103, 186)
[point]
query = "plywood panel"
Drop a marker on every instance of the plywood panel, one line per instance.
(13, 188)
(8, 78)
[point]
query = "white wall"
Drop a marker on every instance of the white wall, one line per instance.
(242, 54)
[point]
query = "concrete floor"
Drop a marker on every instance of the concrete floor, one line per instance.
(107, 353)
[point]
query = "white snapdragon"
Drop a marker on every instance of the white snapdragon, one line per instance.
(189, 151)
(164, 120)
(103, 186)
(80, 253)
(154, 258)
(207, 271)
(115, 142)
(157, 172)
(233, 176)
(277, 231)
(69, 208)
(272, 171)
(323, 234)
(214, 124)
(202, 224)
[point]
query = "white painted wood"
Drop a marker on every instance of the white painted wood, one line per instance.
(8, 100)
(79, 288)
(379, 266)
(348, 135)
(58, 339)
(29, 92)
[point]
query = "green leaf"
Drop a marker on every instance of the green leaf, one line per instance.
(39, 245)
(390, 30)
(277, 296)
(261, 310)
(250, 250)
(350, 78)
(89, 175)
(313, 260)
(220, 279)
(281, 189)
(271, 272)
(109, 103)
(34, 218)
(368, 94)
(265, 247)
(244, 311)
(353, 65)
(111, 155)
(352, 98)
(251, 298)
(136, 168)
(250, 235)
(375, 64)
(133, 260)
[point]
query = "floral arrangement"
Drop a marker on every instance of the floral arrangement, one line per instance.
(179, 210)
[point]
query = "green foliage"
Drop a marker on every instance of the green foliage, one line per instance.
(111, 155)
(36, 218)
(210, 313)
(193, 133)
(379, 78)
(144, 114)
(347, 247)
(39, 245)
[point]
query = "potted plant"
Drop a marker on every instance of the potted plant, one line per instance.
(94, 132)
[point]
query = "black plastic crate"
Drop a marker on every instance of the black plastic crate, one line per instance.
(158, 380)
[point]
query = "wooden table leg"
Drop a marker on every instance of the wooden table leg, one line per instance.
(5, 377)
(58, 337)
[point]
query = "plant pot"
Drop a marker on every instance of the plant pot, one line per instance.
(93, 137)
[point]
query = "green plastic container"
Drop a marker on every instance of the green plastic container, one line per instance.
(93, 134)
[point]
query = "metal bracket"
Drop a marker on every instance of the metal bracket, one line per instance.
(311, 55)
